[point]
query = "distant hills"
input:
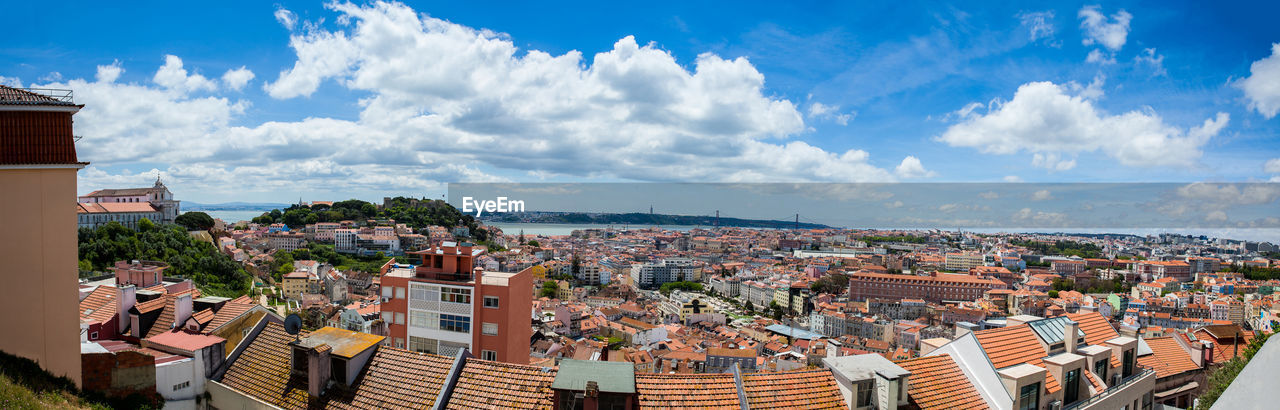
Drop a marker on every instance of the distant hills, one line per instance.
(232, 206)
(637, 218)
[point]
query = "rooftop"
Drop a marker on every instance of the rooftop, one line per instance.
(610, 377)
(345, 343)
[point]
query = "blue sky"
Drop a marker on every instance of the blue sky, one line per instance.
(373, 99)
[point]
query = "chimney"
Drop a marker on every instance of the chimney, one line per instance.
(126, 297)
(181, 310)
(1208, 353)
(1069, 333)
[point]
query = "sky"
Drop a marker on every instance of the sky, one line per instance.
(275, 102)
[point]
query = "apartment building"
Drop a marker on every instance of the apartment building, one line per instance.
(1152, 270)
(963, 261)
(653, 275)
(286, 240)
(38, 166)
(444, 303)
(935, 287)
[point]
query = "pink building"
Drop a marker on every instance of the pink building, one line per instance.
(143, 274)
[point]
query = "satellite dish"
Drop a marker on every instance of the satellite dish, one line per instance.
(293, 324)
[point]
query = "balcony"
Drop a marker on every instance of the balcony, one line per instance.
(1113, 390)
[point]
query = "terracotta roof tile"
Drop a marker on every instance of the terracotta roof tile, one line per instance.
(484, 385)
(229, 311)
(394, 378)
(100, 305)
(937, 383)
(1008, 346)
(810, 389)
(1167, 357)
(703, 391)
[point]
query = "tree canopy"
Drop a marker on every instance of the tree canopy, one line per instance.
(214, 272)
(425, 213)
(195, 221)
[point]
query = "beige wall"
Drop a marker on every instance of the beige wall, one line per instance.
(38, 247)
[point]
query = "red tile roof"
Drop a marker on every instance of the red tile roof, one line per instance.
(229, 311)
(936, 382)
(1167, 357)
(100, 305)
(1008, 346)
(486, 385)
(702, 391)
(394, 378)
(810, 389)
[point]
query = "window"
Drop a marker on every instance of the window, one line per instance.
(864, 393)
(399, 293)
(399, 343)
(417, 318)
(386, 292)
(490, 329)
(455, 295)
(1029, 397)
(181, 386)
(399, 318)
(1072, 389)
(1128, 363)
(1100, 369)
(93, 335)
(454, 323)
(491, 302)
(488, 355)
(422, 344)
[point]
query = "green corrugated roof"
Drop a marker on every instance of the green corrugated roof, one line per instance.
(610, 377)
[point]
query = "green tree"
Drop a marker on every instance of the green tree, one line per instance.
(549, 289)
(145, 225)
(195, 221)
(535, 244)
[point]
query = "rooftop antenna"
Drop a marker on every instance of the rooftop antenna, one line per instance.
(293, 325)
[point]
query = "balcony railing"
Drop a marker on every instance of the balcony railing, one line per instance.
(54, 93)
(1124, 383)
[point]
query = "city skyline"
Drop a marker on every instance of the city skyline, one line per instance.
(437, 93)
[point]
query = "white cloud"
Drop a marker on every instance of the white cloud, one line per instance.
(14, 82)
(1042, 118)
(286, 18)
(1096, 56)
(910, 167)
(446, 102)
(1012, 178)
(236, 79)
(1039, 24)
(1093, 91)
(893, 205)
(1216, 216)
(989, 195)
(830, 112)
(1262, 86)
(174, 77)
(52, 76)
(1109, 32)
(1041, 195)
(109, 73)
(1149, 58)
(1272, 166)
(1052, 162)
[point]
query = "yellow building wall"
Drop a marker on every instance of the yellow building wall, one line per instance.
(38, 255)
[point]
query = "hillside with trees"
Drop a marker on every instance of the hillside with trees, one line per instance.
(212, 271)
(425, 213)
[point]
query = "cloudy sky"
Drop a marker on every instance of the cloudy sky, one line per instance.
(272, 102)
